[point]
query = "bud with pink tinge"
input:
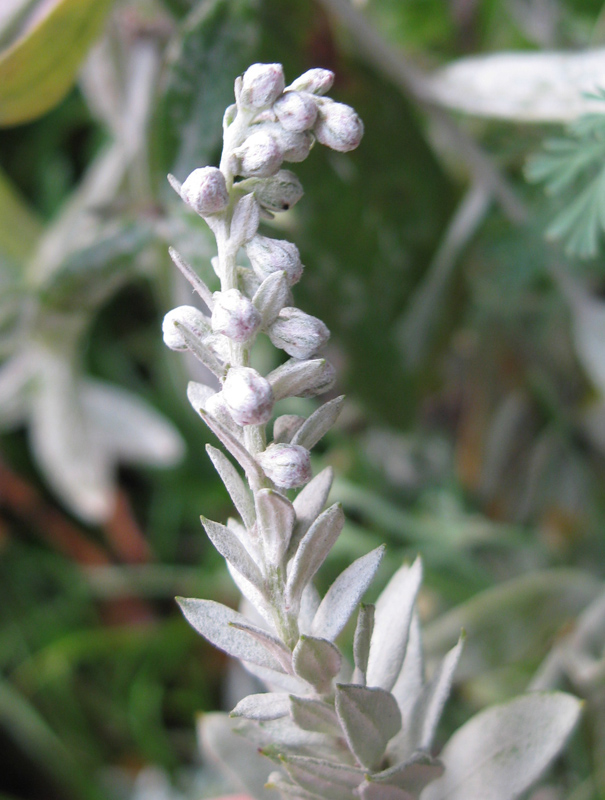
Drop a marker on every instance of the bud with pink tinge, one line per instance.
(299, 334)
(248, 396)
(235, 316)
(287, 465)
(317, 81)
(274, 255)
(338, 126)
(260, 156)
(261, 85)
(190, 317)
(296, 111)
(205, 191)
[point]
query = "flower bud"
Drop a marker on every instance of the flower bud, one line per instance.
(287, 465)
(338, 126)
(192, 318)
(316, 81)
(296, 111)
(259, 156)
(261, 85)
(205, 191)
(248, 396)
(235, 316)
(279, 192)
(274, 255)
(295, 146)
(299, 334)
(297, 378)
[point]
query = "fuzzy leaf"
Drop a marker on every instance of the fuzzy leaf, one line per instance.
(345, 593)
(198, 394)
(434, 696)
(252, 594)
(238, 491)
(276, 519)
(413, 776)
(188, 272)
(272, 644)
(309, 603)
(319, 423)
(316, 661)
(314, 715)
(294, 377)
(214, 622)
(271, 705)
(200, 351)
(309, 503)
(380, 791)
(323, 778)
(500, 752)
(271, 296)
(394, 609)
(278, 781)
(285, 427)
(230, 547)
(245, 220)
(369, 717)
(253, 471)
(277, 681)
(361, 642)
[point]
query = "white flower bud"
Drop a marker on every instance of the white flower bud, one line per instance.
(192, 318)
(296, 111)
(248, 396)
(299, 334)
(295, 146)
(274, 255)
(338, 126)
(261, 85)
(235, 316)
(324, 380)
(287, 465)
(279, 192)
(316, 81)
(259, 156)
(205, 191)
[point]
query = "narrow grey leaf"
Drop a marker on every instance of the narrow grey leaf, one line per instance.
(245, 220)
(287, 788)
(238, 491)
(277, 681)
(309, 603)
(279, 736)
(379, 791)
(253, 471)
(192, 276)
(369, 717)
(407, 690)
(271, 705)
(414, 775)
(312, 550)
(199, 350)
(434, 696)
(316, 661)
(252, 594)
(294, 377)
(309, 503)
(214, 622)
(324, 778)
(314, 715)
(361, 642)
(394, 609)
(198, 394)
(285, 427)
(272, 644)
(230, 547)
(501, 751)
(271, 296)
(344, 595)
(276, 519)
(319, 423)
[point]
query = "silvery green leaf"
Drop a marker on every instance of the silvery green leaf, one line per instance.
(252, 594)
(394, 609)
(253, 471)
(15, 375)
(230, 547)
(238, 757)
(407, 690)
(277, 681)
(309, 504)
(324, 778)
(213, 621)
(501, 751)
(319, 423)
(361, 642)
(369, 717)
(271, 296)
(309, 603)
(276, 519)
(238, 491)
(200, 351)
(312, 550)
(429, 707)
(316, 661)
(285, 427)
(311, 714)
(412, 776)
(245, 221)
(345, 593)
(279, 736)
(294, 377)
(287, 788)
(380, 791)
(263, 706)
(192, 276)
(270, 642)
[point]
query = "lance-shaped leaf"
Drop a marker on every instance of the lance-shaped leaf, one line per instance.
(312, 550)
(276, 519)
(214, 622)
(394, 609)
(287, 788)
(309, 603)
(369, 717)
(198, 394)
(323, 778)
(271, 643)
(252, 594)
(277, 681)
(253, 471)
(501, 751)
(428, 709)
(245, 220)
(230, 547)
(199, 350)
(271, 296)
(319, 423)
(285, 427)
(294, 378)
(271, 705)
(279, 736)
(316, 661)
(379, 791)
(362, 641)
(412, 776)
(345, 593)
(238, 491)
(191, 275)
(309, 503)
(314, 715)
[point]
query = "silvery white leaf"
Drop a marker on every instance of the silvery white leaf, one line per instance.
(323, 778)
(294, 377)
(276, 519)
(245, 221)
(129, 428)
(361, 642)
(309, 603)
(407, 690)
(213, 621)
(529, 87)
(309, 504)
(192, 276)
(412, 776)
(252, 594)
(271, 705)
(427, 711)
(277, 681)
(285, 427)
(238, 758)
(198, 394)
(15, 375)
(270, 642)
(312, 550)
(311, 714)
(253, 471)
(394, 609)
(316, 661)
(238, 491)
(345, 593)
(381, 791)
(501, 751)
(369, 717)
(230, 547)
(200, 350)
(319, 423)
(271, 296)
(279, 736)
(279, 782)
